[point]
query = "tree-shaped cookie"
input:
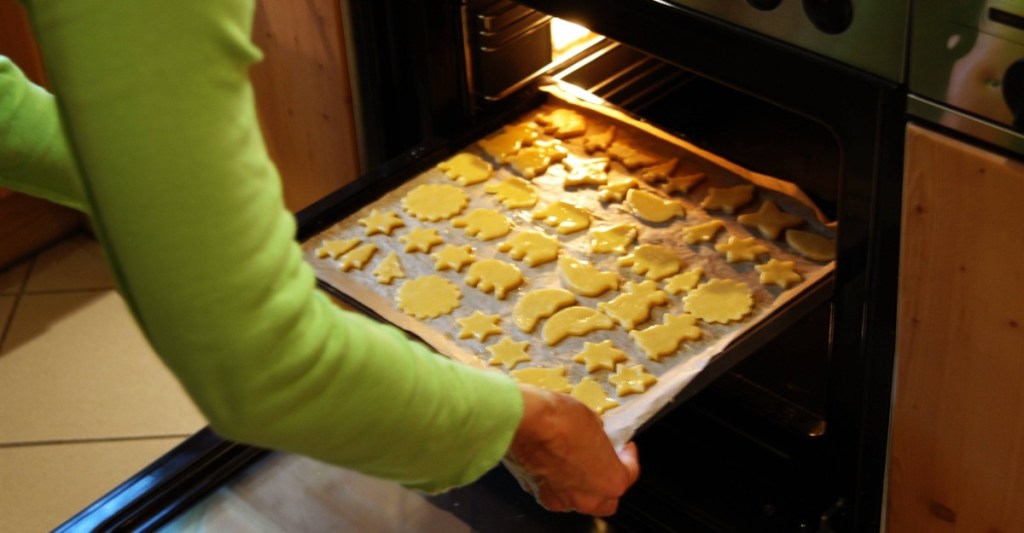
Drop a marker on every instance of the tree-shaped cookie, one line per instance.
(389, 269)
(357, 257)
(334, 248)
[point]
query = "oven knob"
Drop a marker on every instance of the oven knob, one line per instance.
(1013, 92)
(765, 5)
(830, 16)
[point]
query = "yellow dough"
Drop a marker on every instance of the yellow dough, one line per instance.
(494, 275)
(684, 282)
(600, 355)
(770, 220)
(665, 338)
(539, 304)
(654, 261)
(728, 199)
(484, 224)
(377, 222)
(590, 393)
(428, 296)
(479, 325)
(634, 306)
(453, 257)
(435, 202)
(514, 192)
(420, 240)
(509, 141)
(614, 239)
(599, 142)
(631, 379)
(585, 171)
(358, 257)
(659, 172)
(466, 169)
(533, 161)
(552, 379)
(719, 300)
(574, 321)
(653, 208)
(389, 269)
(616, 188)
(741, 249)
(631, 157)
(333, 249)
(533, 247)
(564, 217)
(508, 353)
(702, 232)
(779, 273)
(683, 183)
(584, 278)
(563, 123)
(811, 245)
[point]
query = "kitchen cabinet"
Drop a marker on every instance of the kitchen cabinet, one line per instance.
(957, 443)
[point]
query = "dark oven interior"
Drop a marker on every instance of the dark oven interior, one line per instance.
(793, 435)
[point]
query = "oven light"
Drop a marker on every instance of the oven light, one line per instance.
(566, 35)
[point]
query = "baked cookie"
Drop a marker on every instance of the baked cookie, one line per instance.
(466, 169)
(479, 326)
(780, 273)
(539, 304)
(433, 202)
(590, 393)
(600, 355)
(631, 379)
(728, 199)
(666, 338)
(634, 306)
(599, 142)
(630, 157)
(738, 249)
(484, 224)
(564, 217)
(420, 239)
(493, 275)
(811, 245)
(514, 192)
(381, 222)
(653, 261)
(658, 172)
(574, 321)
(705, 232)
(584, 278)
(683, 182)
(389, 269)
(653, 208)
(533, 247)
(428, 297)
(509, 353)
(770, 220)
(719, 300)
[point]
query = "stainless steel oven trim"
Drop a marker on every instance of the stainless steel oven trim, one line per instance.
(980, 129)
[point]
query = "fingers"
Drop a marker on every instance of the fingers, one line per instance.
(631, 460)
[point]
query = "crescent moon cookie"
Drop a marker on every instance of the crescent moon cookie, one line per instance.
(770, 220)
(590, 393)
(779, 273)
(612, 239)
(552, 379)
(514, 192)
(728, 199)
(599, 142)
(434, 202)
(420, 239)
(541, 303)
(484, 224)
(719, 300)
(666, 338)
(533, 161)
(564, 217)
(378, 222)
(634, 306)
(631, 379)
(601, 355)
(479, 325)
(616, 188)
(466, 169)
(656, 262)
(702, 232)
(335, 248)
(584, 278)
(509, 140)
(653, 208)
(453, 257)
(428, 296)
(741, 249)
(563, 123)
(494, 275)
(684, 282)
(389, 269)
(509, 353)
(659, 172)
(574, 321)
(358, 257)
(811, 245)
(533, 247)
(631, 157)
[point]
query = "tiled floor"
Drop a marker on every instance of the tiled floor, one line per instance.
(84, 401)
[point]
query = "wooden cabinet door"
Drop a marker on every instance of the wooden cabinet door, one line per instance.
(957, 445)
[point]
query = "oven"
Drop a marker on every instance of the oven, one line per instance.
(787, 430)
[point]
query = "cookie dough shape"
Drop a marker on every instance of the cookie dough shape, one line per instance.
(770, 220)
(484, 224)
(585, 171)
(741, 249)
(811, 245)
(616, 188)
(631, 157)
(631, 379)
(666, 338)
(533, 161)
(378, 222)
(564, 217)
(493, 275)
(509, 353)
(389, 269)
(552, 379)
(541, 303)
(533, 247)
(719, 300)
(601, 355)
(659, 172)
(728, 199)
(420, 240)
(335, 248)
(358, 257)
(434, 202)
(699, 233)
(509, 141)
(479, 326)
(683, 183)
(428, 296)
(590, 393)
(563, 123)
(514, 192)
(466, 169)
(634, 306)
(614, 239)
(599, 142)
(684, 282)
(780, 273)
(453, 257)
(653, 261)
(584, 278)
(574, 321)
(653, 208)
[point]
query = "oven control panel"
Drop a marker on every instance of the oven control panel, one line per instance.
(868, 34)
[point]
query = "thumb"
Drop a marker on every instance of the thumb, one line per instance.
(629, 457)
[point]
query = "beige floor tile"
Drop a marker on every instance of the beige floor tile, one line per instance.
(12, 278)
(43, 486)
(74, 263)
(74, 365)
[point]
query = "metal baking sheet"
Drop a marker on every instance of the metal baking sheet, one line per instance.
(674, 372)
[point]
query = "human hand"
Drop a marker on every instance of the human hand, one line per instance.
(561, 455)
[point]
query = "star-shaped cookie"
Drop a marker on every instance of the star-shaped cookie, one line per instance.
(779, 273)
(508, 353)
(728, 199)
(420, 240)
(770, 220)
(453, 257)
(479, 325)
(378, 222)
(631, 379)
(599, 355)
(741, 249)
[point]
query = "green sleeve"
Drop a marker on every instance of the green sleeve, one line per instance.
(159, 112)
